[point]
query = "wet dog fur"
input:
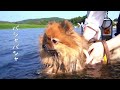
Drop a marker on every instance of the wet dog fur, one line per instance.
(62, 50)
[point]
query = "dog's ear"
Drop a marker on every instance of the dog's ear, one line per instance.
(51, 22)
(66, 25)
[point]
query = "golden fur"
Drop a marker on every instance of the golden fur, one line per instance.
(68, 47)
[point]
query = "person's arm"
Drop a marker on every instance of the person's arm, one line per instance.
(114, 42)
(94, 20)
(97, 53)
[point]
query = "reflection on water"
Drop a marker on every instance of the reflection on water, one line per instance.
(29, 60)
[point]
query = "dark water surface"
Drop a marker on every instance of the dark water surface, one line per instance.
(28, 54)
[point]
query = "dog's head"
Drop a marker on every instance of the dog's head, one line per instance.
(61, 41)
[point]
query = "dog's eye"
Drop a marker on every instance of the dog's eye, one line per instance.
(48, 38)
(54, 41)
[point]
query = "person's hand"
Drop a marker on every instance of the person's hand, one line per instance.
(96, 53)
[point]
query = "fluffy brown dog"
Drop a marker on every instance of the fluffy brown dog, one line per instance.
(62, 50)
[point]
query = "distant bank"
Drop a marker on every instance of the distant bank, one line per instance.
(37, 23)
(11, 25)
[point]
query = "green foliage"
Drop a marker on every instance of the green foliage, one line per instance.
(115, 20)
(42, 21)
(78, 19)
(113, 23)
(11, 25)
(37, 23)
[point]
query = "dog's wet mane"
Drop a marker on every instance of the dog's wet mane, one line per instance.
(61, 38)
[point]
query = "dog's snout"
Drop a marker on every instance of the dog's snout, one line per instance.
(43, 46)
(50, 51)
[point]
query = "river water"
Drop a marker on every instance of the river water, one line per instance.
(28, 62)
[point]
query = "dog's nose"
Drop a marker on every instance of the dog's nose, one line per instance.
(43, 46)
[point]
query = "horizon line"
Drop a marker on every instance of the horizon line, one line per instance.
(39, 18)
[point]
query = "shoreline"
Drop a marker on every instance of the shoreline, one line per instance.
(21, 26)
